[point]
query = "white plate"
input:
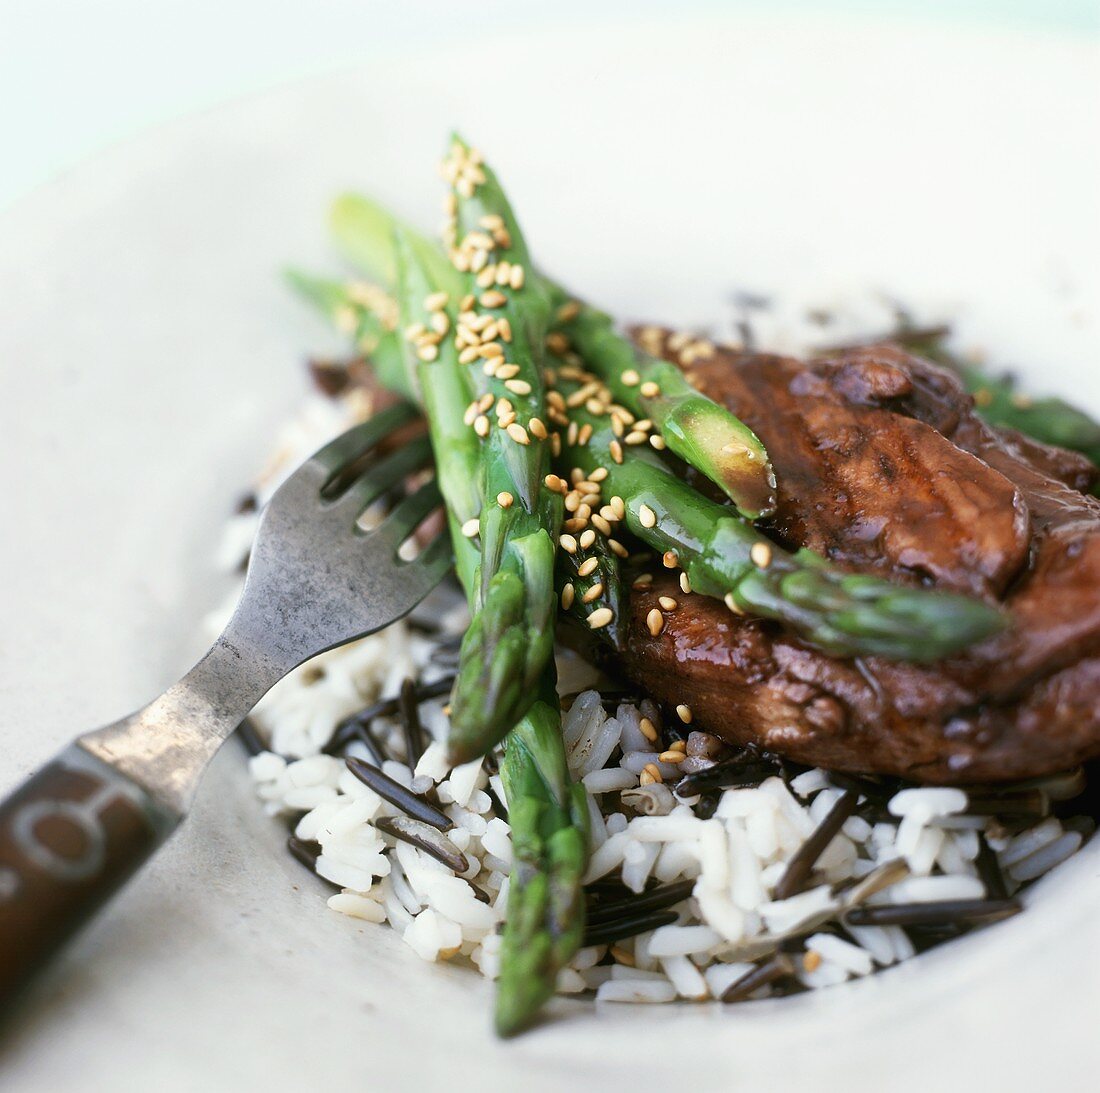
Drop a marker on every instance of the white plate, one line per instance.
(149, 351)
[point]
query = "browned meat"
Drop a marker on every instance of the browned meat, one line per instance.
(884, 468)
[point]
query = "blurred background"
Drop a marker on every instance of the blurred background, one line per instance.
(77, 75)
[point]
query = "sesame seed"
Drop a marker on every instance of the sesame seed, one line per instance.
(636, 437)
(630, 378)
(504, 420)
(505, 328)
(647, 517)
(667, 602)
(568, 544)
(657, 442)
(732, 604)
(683, 712)
(492, 298)
(467, 303)
(471, 527)
(594, 593)
(469, 355)
(583, 511)
(517, 278)
(685, 584)
(600, 617)
(670, 559)
(437, 301)
(567, 595)
(588, 566)
(653, 771)
(649, 730)
(617, 425)
(490, 349)
(440, 323)
(655, 622)
(617, 548)
(585, 434)
(568, 311)
(587, 539)
(622, 956)
(557, 343)
(471, 413)
(504, 406)
(504, 274)
(428, 352)
(507, 371)
(553, 482)
(649, 389)
(415, 331)
(572, 501)
(811, 960)
(555, 444)
(571, 434)
(616, 450)
(618, 506)
(646, 779)
(573, 526)
(504, 499)
(761, 555)
(671, 756)
(598, 475)
(518, 433)
(537, 428)
(486, 277)
(481, 425)
(601, 524)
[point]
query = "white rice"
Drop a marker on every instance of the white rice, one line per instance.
(639, 834)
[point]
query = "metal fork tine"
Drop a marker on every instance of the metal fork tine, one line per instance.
(435, 559)
(411, 511)
(385, 474)
(356, 442)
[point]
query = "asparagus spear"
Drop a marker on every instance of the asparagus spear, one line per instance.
(725, 557)
(549, 820)
(593, 592)
(500, 330)
(368, 315)
(547, 814)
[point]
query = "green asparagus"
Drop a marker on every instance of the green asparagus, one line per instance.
(548, 815)
(725, 557)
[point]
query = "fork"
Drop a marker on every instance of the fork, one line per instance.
(76, 831)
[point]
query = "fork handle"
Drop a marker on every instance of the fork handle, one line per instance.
(70, 837)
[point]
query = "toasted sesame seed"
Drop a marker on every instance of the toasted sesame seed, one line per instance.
(440, 323)
(583, 511)
(537, 428)
(504, 420)
(428, 352)
(685, 583)
(587, 539)
(761, 555)
(490, 349)
(414, 331)
(504, 274)
(616, 450)
(646, 779)
(518, 433)
(573, 526)
(617, 425)
(490, 366)
(622, 956)
(618, 506)
(594, 593)
(672, 756)
(600, 523)
(670, 559)
(553, 482)
(649, 389)
(437, 301)
(504, 406)
(481, 425)
(568, 593)
(469, 355)
(649, 730)
(655, 622)
(585, 434)
(617, 548)
(507, 371)
(492, 298)
(657, 442)
(555, 444)
(636, 437)
(568, 311)
(471, 527)
(642, 580)
(568, 543)
(630, 378)
(504, 499)
(647, 517)
(732, 604)
(598, 475)
(588, 566)
(518, 387)
(571, 434)
(811, 960)
(653, 771)
(572, 501)
(471, 413)
(683, 712)
(667, 602)
(467, 303)
(486, 277)
(517, 278)
(505, 328)
(600, 617)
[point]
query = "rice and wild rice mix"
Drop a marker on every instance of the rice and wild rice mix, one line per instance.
(714, 873)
